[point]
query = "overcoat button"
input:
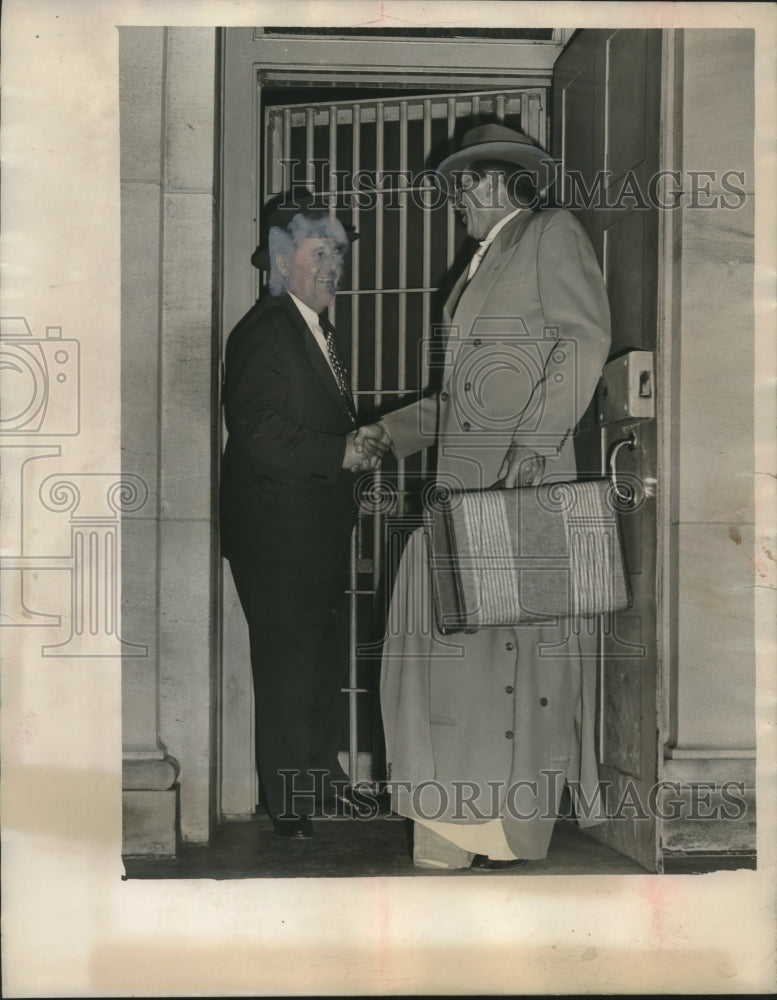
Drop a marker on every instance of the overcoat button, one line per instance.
(509, 734)
(543, 702)
(509, 646)
(509, 689)
(444, 397)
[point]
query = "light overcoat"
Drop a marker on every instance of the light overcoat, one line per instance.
(499, 719)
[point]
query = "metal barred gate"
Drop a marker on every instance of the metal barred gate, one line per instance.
(371, 161)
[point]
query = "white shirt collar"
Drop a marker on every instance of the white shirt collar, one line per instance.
(482, 249)
(313, 321)
(492, 233)
(310, 316)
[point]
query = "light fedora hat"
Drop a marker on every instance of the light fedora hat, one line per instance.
(498, 142)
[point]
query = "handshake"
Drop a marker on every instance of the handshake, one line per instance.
(365, 447)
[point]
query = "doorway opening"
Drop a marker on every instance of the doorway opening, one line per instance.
(370, 157)
(364, 150)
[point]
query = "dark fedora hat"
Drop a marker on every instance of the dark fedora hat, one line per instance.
(282, 208)
(497, 142)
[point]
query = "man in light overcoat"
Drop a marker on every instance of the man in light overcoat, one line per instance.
(484, 729)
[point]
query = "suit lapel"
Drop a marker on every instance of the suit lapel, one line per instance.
(453, 299)
(317, 360)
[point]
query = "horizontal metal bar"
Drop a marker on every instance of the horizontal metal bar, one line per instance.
(420, 79)
(400, 492)
(386, 291)
(385, 392)
(392, 112)
(438, 105)
(384, 189)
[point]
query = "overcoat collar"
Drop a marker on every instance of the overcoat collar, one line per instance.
(493, 262)
(466, 299)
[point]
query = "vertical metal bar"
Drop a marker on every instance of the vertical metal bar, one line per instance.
(287, 136)
(600, 721)
(353, 666)
(332, 157)
(356, 121)
(310, 120)
(268, 178)
(426, 278)
(278, 146)
(563, 151)
(379, 166)
(353, 671)
(353, 580)
(274, 153)
(402, 284)
(353, 620)
(500, 107)
(380, 151)
(332, 192)
(531, 116)
(451, 217)
(284, 121)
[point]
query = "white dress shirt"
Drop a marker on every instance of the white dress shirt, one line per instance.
(314, 325)
(480, 253)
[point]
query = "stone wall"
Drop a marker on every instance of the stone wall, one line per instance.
(168, 128)
(712, 667)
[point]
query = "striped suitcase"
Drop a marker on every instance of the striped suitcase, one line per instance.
(531, 555)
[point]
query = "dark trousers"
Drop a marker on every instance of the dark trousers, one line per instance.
(299, 668)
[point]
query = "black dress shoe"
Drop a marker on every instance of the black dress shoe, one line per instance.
(482, 862)
(293, 827)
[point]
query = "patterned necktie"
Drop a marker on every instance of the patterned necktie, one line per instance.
(341, 376)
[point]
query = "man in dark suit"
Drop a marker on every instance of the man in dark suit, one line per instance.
(287, 508)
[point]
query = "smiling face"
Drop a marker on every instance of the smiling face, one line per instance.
(312, 271)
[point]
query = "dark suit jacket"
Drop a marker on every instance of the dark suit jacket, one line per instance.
(286, 505)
